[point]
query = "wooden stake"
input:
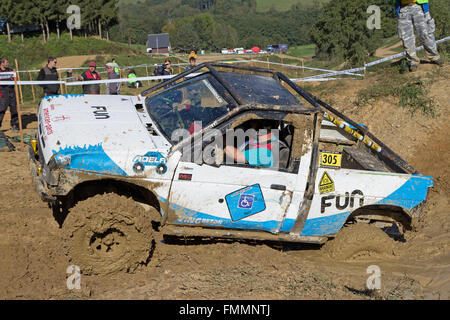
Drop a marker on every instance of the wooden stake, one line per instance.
(179, 70)
(146, 70)
(18, 77)
(303, 66)
(60, 85)
(32, 88)
(19, 113)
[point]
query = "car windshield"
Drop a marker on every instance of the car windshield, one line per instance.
(187, 107)
(259, 89)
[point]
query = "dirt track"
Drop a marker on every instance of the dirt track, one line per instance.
(34, 267)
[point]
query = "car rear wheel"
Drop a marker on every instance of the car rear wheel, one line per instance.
(359, 240)
(108, 233)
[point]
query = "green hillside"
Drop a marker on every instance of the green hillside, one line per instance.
(284, 5)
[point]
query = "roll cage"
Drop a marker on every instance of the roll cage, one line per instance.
(317, 107)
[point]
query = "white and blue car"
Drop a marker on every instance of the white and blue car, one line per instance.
(156, 149)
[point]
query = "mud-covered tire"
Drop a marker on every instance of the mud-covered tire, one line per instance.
(107, 234)
(357, 241)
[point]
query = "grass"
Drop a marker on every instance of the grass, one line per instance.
(410, 92)
(302, 51)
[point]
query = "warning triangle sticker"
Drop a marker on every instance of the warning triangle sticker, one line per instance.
(325, 179)
(326, 184)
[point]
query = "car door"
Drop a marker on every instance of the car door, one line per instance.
(236, 196)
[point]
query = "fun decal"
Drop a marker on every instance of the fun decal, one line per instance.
(245, 202)
(341, 202)
(100, 113)
(150, 159)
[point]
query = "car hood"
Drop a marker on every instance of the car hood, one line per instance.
(98, 133)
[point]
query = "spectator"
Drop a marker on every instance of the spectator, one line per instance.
(167, 70)
(416, 14)
(112, 88)
(132, 83)
(192, 63)
(116, 66)
(90, 75)
(49, 73)
(8, 96)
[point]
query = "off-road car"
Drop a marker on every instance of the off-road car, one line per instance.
(118, 170)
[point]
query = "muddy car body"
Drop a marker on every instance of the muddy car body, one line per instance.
(332, 172)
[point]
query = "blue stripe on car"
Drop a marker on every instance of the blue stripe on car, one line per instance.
(91, 158)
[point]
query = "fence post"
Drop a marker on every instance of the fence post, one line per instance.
(19, 113)
(32, 87)
(18, 76)
(60, 84)
(146, 70)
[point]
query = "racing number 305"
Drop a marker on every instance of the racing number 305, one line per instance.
(330, 159)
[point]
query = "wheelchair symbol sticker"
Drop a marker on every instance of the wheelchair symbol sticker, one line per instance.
(246, 201)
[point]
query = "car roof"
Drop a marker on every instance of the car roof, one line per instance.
(248, 86)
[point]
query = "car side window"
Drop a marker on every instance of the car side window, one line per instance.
(187, 107)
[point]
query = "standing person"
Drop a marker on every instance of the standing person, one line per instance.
(49, 73)
(8, 96)
(116, 66)
(112, 88)
(132, 83)
(416, 14)
(192, 63)
(90, 75)
(167, 68)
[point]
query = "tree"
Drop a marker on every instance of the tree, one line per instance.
(341, 31)
(7, 6)
(186, 38)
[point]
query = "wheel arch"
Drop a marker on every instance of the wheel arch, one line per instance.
(382, 213)
(91, 188)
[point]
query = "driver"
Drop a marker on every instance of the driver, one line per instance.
(257, 151)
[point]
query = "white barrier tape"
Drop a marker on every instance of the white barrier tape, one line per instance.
(62, 69)
(23, 83)
(295, 66)
(344, 72)
(7, 75)
(320, 79)
(138, 66)
(81, 83)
